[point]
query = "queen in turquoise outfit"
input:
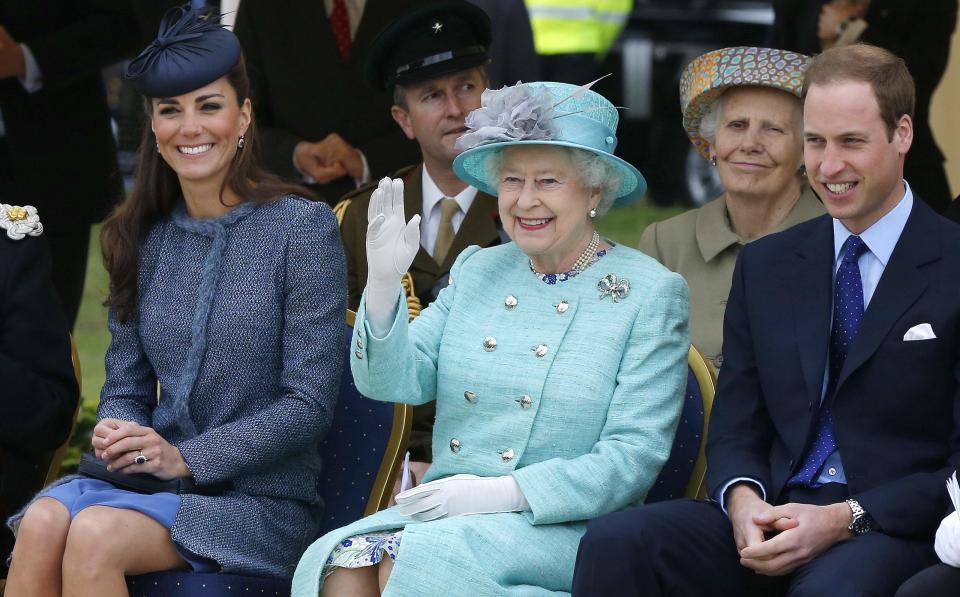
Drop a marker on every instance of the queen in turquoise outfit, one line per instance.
(557, 363)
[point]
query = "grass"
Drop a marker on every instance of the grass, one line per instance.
(623, 225)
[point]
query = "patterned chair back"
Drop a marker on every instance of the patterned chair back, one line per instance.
(684, 472)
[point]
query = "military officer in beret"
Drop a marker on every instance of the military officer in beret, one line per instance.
(433, 59)
(40, 393)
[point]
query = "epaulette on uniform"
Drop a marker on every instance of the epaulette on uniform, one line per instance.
(20, 222)
(340, 209)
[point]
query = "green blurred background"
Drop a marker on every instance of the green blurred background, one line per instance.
(623, 225)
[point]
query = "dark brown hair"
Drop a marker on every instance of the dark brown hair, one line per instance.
(885, 72)
(156, 190)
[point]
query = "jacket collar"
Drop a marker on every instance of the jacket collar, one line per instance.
(715, 234)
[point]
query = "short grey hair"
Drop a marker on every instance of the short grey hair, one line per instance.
(710, 122)
(595, 172)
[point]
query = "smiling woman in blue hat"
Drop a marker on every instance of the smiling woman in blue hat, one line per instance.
(227, 292)
(557, 363)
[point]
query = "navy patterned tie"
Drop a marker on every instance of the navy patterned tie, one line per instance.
(847, 314)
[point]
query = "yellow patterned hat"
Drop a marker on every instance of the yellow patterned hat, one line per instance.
(707, 77)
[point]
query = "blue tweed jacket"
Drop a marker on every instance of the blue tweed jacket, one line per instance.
(578, 399)
(240, 321)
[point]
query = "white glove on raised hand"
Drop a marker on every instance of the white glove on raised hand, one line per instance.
(462, 494)
(392, 243)
(947, 543)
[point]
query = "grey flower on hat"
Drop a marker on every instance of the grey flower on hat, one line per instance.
(510, 114)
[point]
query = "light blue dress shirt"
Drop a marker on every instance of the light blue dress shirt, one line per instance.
(881, 238)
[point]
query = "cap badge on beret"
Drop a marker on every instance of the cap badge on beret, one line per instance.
(708, 76)
(437, 27)
(191, 50)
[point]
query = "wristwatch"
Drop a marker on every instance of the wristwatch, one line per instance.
(862, 523)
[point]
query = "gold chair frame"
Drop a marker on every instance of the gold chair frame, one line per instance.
(402, 413)
(706, 378)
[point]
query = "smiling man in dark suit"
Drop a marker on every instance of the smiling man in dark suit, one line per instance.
(836, 416)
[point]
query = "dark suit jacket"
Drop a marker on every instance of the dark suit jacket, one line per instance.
(479, 227)
(40, 393)
(896, 408)
(303, 91)
(62, 155)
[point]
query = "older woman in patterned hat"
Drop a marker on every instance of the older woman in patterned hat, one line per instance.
(557, 363)
(227, 290)
(741, 110)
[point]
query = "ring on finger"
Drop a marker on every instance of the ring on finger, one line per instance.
(140, 459)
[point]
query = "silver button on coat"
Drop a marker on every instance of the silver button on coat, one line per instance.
(489, 344)
(510, 302)
(470, 396)
(525, 401)
(562, 307)
(540, 350)
(358, 354)
(506, 455)
(455, 445)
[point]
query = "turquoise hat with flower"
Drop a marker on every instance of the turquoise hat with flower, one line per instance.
(543, 113)
(708, 76)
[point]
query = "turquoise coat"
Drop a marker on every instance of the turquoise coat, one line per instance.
(604, 400)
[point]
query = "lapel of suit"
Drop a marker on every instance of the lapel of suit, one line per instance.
(901, 284)
(413, 204)
(478, 227)
(811, 291)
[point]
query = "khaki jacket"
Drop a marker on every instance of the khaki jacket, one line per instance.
(701, 246)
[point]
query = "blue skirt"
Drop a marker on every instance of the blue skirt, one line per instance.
(161, 507)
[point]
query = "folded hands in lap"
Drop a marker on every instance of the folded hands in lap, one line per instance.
(118, 443)
(803, 531)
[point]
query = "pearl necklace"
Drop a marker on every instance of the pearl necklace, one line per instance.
(588, 257)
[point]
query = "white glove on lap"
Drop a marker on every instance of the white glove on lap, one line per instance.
(947, 543)
(392, 243)
(462, 494)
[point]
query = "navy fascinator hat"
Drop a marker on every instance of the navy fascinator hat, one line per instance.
(192, 49)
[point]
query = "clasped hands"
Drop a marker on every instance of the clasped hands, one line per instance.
(461, 495)
(329, 159)
(804, 531)
(118, 443)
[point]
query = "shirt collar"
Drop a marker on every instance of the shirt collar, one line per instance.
(432, 195)
(882, 236)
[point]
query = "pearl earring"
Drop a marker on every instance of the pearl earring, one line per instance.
(592, 213)
(241, 142)
(713, 161)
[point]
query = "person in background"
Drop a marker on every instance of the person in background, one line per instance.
(741, 109)
(535, 354)
(918, 32)
(321, 123)
(57, 150)
(431, 101)
(227, 294)
(40, 392)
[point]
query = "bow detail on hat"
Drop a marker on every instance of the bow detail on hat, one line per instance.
(521, 112)
(191, 49)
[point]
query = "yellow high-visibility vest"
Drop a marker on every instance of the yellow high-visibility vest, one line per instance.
(577, 26)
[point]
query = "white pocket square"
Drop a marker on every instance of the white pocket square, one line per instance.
(921, 331)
